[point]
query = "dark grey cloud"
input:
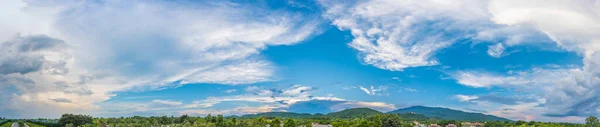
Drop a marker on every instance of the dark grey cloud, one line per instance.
(18, 55)
(475, 110)
(21, 64)
(62, 100)
(508, 109)
(79, 89)
(586, 107)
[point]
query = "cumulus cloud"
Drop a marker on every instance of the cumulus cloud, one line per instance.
(567, 92)
(86, 51)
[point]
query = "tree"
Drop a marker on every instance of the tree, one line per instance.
(276, 122)
(391, 120)
(290, 123)
(262, 121)
(518, 123)
(183, 118)
(220, 121)
(75, 120)
(592, 121)
(209, 118)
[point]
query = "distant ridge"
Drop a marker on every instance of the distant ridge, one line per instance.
(354, 113)
(282, 114)
(419, 113)
(448, 114)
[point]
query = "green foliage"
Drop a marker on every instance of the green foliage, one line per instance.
(33, 125)
(6, 123)
(275, 122)
(448, 114)
(527, 124)
(592, 121)
(377, 120)
(381, 120)
(290, 123)
(279, 114)
(76, 120)
(354, 113)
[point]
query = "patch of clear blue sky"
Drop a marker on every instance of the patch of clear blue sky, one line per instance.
(327, 63)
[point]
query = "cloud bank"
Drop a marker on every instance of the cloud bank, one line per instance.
(83, 52)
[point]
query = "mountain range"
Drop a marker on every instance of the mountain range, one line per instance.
(419, 113)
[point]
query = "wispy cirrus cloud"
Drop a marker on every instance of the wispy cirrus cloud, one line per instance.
(146, 45)
(394, 35)
(373, 90)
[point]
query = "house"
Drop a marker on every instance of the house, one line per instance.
(469, 124)
(434, 125)
(450, 125)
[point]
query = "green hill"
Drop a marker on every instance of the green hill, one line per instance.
(448, 114)
(280, 114)
(412, 116)
(353, 113)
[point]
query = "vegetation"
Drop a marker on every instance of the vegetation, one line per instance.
(74, 120)
(5, 124)
(279, 114)
(354, 113)
(530, 124)
(33, 124)
(592, 121)
(448, 114)
(358, 117)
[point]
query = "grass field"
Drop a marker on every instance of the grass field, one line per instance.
(7, 124)
(33, 125)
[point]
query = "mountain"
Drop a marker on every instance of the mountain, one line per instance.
(412, 116)
(448, 114)
(353, 113)
(348, 113)
(281, 114)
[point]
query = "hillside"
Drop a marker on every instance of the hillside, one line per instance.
(412, 117)
(353, 113)
(280, 114)
(448, 114)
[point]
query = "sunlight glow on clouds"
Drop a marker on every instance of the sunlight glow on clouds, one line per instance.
(73, 56)
(145, 45)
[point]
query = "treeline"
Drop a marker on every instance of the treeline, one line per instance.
(379, 120)
(70, 120)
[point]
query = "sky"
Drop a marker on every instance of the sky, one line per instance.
(523, 60)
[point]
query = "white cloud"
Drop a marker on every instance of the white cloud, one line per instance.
(566, 91)
(230, 90)
(167, 102)
(274, 100)
(465, 98)
(380, 106)
(496, 50)
(373, 90)
(394, 35)
(235, 111)
(411, 90)
(113, 46)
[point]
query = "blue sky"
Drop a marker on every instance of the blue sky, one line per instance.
(122, 58)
